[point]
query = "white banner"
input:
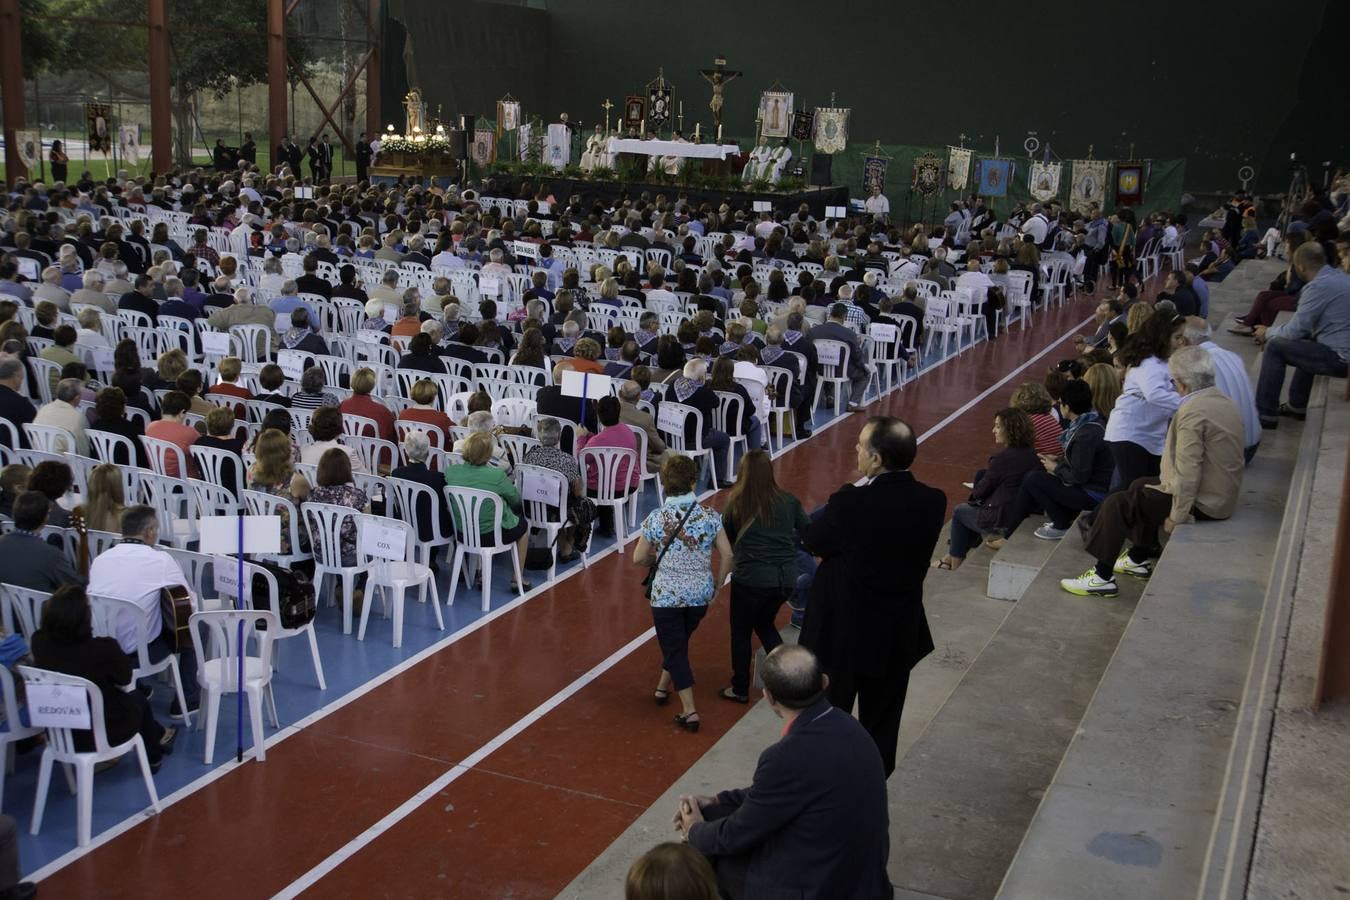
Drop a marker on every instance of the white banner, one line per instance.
(129, 139)
(29, 145)
(58, 706)
(831, 129)
(558, 145)
(225, 575)
(1044, 180)
(958, 168)
(1087, 184)
(524, 249)
(383, 541)
(585, 384)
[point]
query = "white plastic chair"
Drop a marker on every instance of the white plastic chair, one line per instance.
(252, 571)
(261, 503)
(21, 611)
(61, 749)
(108, 612)
(465, 504)
(112, 448)
(645, 474)
(212, 462)
(543, 493)
(728, 418)
(324, 521)
(672, 421)
(174, 506)
(159, 453)
(49, 438)
(219, 675)
(407, 498)
(394, 577)
(832, 368)
(47, 374)
(14, 730)
(614, 468)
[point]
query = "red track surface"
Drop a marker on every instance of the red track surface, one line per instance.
(533, 814)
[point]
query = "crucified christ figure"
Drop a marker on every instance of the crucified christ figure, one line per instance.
(719, 76)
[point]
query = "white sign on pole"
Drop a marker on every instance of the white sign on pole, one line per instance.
(292, 363)
(828, 354)
(216, 343)
(883, 334)
(58, 706)
(225, 572)
(220, 534)
(489, 286)
(525, 249)
(670, 419)
(536, 487)
(585, 384)
(383, 541)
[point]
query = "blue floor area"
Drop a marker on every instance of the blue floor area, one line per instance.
(348, 664)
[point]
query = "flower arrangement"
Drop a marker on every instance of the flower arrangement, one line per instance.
(414, 143)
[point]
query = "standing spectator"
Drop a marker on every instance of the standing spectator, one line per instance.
(676, 542)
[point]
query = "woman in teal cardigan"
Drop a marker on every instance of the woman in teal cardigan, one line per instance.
(475, 473)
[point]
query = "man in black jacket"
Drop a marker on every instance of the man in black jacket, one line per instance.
(310, 282)
(15, 408)
(865, 620)
(813, 824)
(141, 298)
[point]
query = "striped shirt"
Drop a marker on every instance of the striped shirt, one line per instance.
(1047, 433)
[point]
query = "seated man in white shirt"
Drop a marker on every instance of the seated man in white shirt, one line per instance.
(978, 283)
(135, 569)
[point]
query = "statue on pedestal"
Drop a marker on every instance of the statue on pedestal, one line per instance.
(416, 111)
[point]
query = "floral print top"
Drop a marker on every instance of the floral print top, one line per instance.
(344, 495)
(685, 576)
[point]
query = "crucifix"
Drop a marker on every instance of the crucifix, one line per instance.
(719, 76)
(607, 106)
(962, 138)
(1089, 151)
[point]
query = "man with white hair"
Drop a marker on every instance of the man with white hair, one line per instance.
(90, 333)
(64, 412)
(388, 291)
(483, 421)
(496, 264)
(416, 449)
(1230, 377)
(91, 294)
(1200, 479)
(689, 389)
(50, 289)
(120, 282)
(68, 259)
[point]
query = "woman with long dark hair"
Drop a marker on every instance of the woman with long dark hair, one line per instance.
(1137, 428)
(760, 521)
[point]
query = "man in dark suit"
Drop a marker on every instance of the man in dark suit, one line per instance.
(363, 155)
(141, 298)
(15, 408)
(836, 330)
(813, 824)
(865, 620)
(416, 448)
(310, 282)
(27, 559)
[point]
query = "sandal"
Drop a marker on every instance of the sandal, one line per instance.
(728, 694)
(943, 563)
(689, 722)
(662, 697)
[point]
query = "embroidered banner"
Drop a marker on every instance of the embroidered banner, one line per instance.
(1044, 180)
(927, 177)
(508, 115)
(658, 106)
(634, 111)
(1088, 184)
(1130, 178)
(484, 143)
(803, 125)
(958, 168)
(30, 148)
(775, 114)
(874, 174)
(100, 129)
(129, 140)
(992, 177)
(831, 129)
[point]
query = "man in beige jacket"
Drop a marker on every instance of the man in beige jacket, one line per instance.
(1202, 467)
(630, 414)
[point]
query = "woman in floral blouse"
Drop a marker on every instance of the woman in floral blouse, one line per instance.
(335, 486)
(273, 472)
(682, 585)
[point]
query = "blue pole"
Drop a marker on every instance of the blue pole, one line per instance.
(239, 604)
(585, 379)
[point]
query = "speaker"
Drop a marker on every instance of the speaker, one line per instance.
(821, 164)
(459, 143)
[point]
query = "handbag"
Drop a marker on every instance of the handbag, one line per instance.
(651, 572)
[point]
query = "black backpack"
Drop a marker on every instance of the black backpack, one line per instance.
(581, 516)
(295, 594)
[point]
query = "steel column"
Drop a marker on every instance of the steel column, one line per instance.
(374, 125)
(11, 85)
(161, 111)
(1334, 677)
(276, 74)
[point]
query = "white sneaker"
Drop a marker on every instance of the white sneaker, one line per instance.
(1048, 532)
(1126, 566)
(1089, 584)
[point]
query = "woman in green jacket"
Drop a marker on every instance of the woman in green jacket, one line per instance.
(477, 474)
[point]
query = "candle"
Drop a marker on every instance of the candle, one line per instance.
(642, 128)
(719, 133)
(681, 107)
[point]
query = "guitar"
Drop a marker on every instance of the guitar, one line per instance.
(175, 608)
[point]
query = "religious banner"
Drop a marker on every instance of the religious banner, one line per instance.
(484, 143)
(927, 177)
(874, 174)
(658, 105)
(992, 177)
(558, 145)
(775, 114)
(1130, 178)
(958, 168)
(1044, 183)
(100, 128)
(634, 111)
(526, 139)
(831, 129)
(1088, 184)
(803, 124)
(30, 148)
(129, 142)
(508, 115)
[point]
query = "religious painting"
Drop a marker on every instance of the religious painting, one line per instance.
(831, 129)
(992, 177)
(958, 168)
(634, 111)
(874, 174)
(927, 177)
(1087, 185)
(658, 106)
(508, 115)
(1130, 177)
(775, 114)
(803, 124)
(1043, 183)
(484, 143)
(30, 148)
(97, 115)
(129, 142)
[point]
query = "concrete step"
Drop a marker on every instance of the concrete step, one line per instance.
(1017, 563)
(971, 783)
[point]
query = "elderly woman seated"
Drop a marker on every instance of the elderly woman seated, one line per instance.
(478, 451)
(416, 449)
(549, 456)
(482, 422)
(312, 394)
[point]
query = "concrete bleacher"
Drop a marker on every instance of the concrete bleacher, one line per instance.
(1015, 566)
